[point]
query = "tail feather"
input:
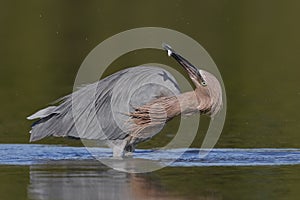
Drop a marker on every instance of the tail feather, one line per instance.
(42, 113)
(36, 133)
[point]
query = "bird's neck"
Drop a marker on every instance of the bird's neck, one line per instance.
(187, 103)
(166, 108)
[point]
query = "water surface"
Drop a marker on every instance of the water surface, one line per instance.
(60, 172)
(18, 154)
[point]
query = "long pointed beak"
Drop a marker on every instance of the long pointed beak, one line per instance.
(192, 71)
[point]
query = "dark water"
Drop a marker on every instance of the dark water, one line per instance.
(255, 44)
(89, 180)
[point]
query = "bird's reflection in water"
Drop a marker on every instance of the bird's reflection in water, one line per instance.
(72, 180)
(89, 180)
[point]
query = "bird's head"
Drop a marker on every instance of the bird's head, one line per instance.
(208, 89)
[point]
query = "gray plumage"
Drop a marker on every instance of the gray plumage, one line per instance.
(143, 83)
(128, 107)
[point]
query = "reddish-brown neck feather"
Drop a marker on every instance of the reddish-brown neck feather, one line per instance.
(165, 108)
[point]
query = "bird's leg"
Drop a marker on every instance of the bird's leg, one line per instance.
(118, 147)
(129, 149)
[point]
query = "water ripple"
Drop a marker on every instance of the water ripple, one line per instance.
(28, 154)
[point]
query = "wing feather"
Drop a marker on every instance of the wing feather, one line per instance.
(98, 110)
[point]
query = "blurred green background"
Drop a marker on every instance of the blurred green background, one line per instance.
(255, 44)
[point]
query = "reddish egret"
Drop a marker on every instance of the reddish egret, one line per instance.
(128, 107)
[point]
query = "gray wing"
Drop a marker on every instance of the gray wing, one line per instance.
(100, 110)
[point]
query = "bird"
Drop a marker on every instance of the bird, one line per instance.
(129, 107)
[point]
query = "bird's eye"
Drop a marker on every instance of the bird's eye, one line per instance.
(203, 83)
